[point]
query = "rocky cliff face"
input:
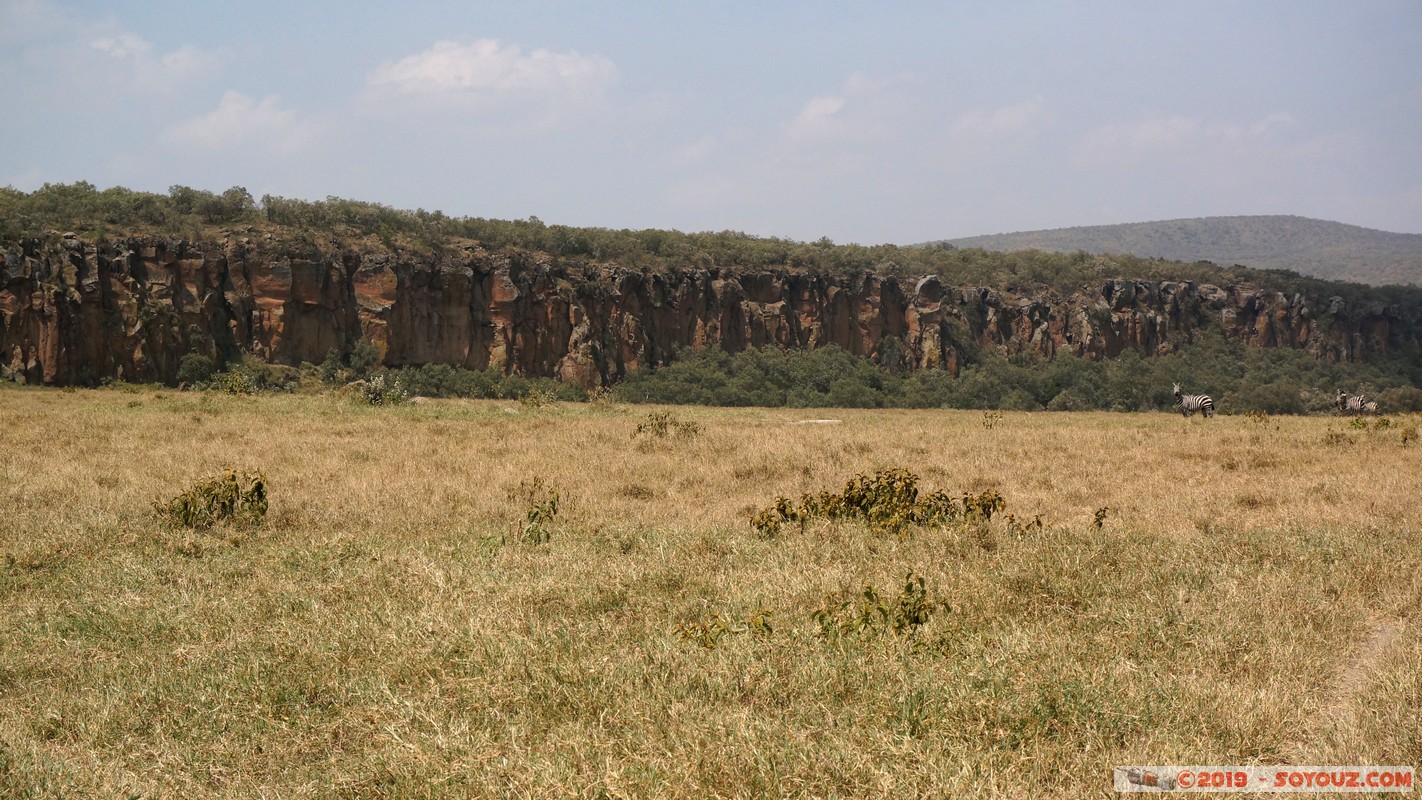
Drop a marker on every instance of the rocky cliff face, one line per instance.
(73, 311)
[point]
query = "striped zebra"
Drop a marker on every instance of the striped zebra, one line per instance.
(1354, 404)
(1190, 403)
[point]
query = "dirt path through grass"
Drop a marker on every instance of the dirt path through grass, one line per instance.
(1360, 672)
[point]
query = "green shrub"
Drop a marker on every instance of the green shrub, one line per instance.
(868, 613)
(1070, 400)
(1400, 400)
(196, 368)
(251, 375)
(378, 391)
(444, 380)
(363, 358)
(537, 398)
(332, 369)
(540, 509)
(234, 382)
(708, 633)
(889, 500)
(659, 424)
(538, 519)
(601, 397)
(1274, 398)
(233, 497)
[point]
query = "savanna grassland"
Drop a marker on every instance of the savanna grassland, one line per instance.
(419, 616)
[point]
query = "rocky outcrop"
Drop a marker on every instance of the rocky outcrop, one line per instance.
(73, 311)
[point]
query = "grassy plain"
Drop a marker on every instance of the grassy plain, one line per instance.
(392, 630)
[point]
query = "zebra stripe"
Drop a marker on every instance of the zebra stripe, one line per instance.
(1190, 403)
(1354, 404)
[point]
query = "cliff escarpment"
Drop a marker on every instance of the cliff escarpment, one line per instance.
(76, 311)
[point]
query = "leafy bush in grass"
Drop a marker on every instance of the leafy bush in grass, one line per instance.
(233, 497)
(377, 390)
(443, 380)
(196, 368)
(889, 500)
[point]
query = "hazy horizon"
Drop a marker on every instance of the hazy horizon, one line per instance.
(1179, 219)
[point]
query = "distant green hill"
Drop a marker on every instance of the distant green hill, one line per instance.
(1330, 250)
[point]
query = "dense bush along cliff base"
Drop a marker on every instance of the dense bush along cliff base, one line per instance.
(76, 310)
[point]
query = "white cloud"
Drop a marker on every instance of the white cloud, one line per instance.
(862, 111)
(488, 68)
(1176, 137)
(1271, 122)
(1017, 122)
(1223, 151)
(1154, 135)
(817, 118)
(129, 57)
(863, 137)
(58, 54)
(122, 45)
(241, 122)
(188, 60)
(31, 20)
(697, 151)
(487, 88)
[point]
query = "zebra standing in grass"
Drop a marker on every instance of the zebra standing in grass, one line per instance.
(1190, 403)
(1354, 404)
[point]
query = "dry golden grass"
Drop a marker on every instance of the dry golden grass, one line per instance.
(392, 632)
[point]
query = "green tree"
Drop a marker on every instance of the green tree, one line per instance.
(195, 368)
(364, 357)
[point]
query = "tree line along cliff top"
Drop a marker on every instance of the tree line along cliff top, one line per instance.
(200, 215)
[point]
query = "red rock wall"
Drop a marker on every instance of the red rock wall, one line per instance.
(71, 311)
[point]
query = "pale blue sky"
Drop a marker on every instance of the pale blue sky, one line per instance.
(865, 122)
